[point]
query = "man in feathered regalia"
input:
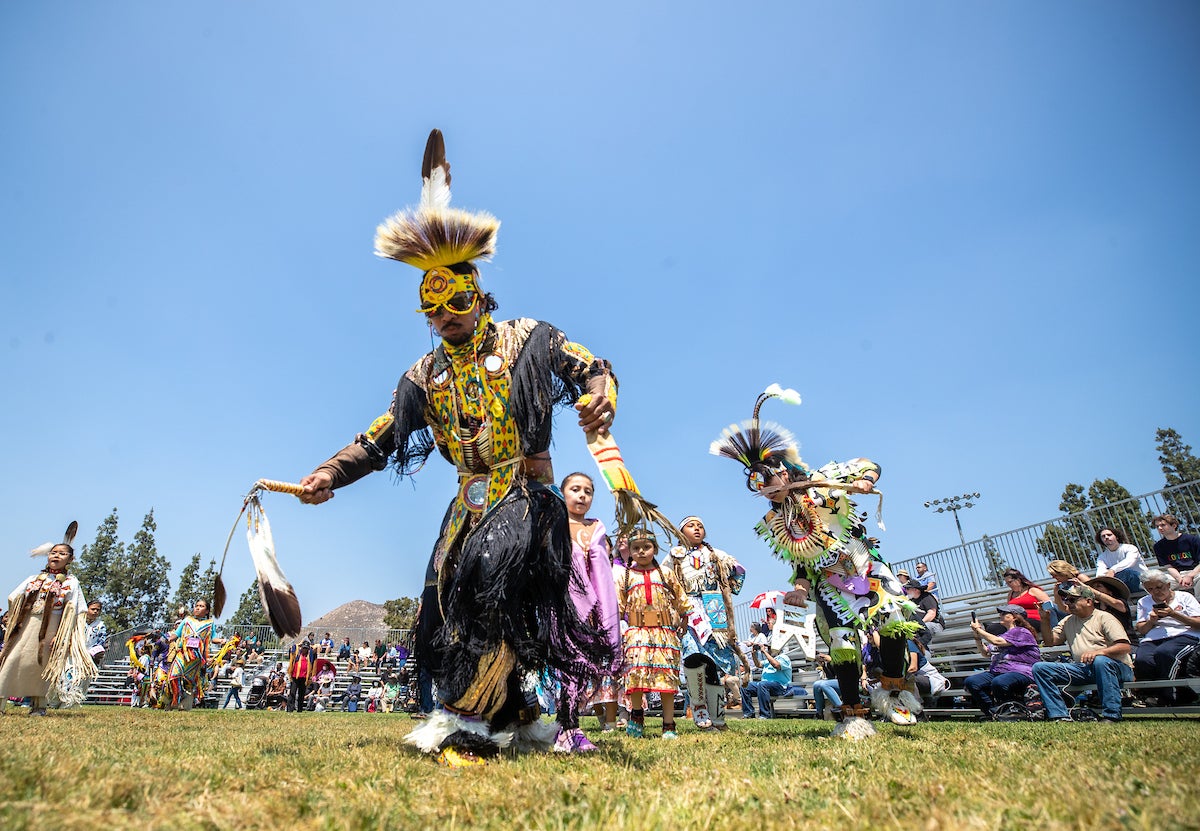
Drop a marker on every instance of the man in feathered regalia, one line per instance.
(814, 526)
(496, 602)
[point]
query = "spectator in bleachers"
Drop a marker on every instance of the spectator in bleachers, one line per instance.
(929, 681)
(1100, 651)
(927, 579)
(234, 692)
(353, 692)
(928, 614)
(1169, 622)
(324, 693)
(1022, 592)
(345, 651)
(379, 653)
(1013, 655)
(391, 693)
(275, 697)
(1118, 558)
(1177, 554)
(827, 697)
(302, 661)
(776, 678)
(756, 637)
(768, 624)
(375, 696)
(325, 647)
(1112, 596)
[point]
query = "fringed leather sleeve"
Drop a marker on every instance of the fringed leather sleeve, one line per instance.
(411, 439)
(551, 371)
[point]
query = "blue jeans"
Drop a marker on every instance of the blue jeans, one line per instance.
(1108, 676)
(763, 690)
(827, 690)
(1130, 577)
(987, 688)
(236, 694)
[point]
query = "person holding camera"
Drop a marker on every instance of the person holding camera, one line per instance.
(776, 678)
(1169, 622)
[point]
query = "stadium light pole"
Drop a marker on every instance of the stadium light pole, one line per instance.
(954, 504)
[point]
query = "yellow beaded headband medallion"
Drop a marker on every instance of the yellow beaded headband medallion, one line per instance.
(441, 289)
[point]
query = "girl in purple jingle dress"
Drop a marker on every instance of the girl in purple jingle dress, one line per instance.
(595, 598)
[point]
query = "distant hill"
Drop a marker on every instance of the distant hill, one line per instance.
(364, 618)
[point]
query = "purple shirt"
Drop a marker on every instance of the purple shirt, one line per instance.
(1020, 655)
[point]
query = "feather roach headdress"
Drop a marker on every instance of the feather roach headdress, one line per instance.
(762, 448)
(46, 547)
(433, 235)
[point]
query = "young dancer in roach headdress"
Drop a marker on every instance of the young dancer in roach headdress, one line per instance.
(814, 526)
(45, 653)
(496, 602)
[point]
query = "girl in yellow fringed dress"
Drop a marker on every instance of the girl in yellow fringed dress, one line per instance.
(654, 609)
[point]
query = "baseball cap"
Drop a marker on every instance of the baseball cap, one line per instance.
(1011, 609)
(1078, 591)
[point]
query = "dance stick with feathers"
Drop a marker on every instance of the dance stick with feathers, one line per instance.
(276, 593)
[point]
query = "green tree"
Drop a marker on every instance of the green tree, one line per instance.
(208, 580)
(996, 564)
(139, 583)
(400, 613)
(1074, 500)
(94, 563)
(250, 611)
(185, 593)
(1069, 538)
(1115, 507)
(1105, 503)
(1179, 467)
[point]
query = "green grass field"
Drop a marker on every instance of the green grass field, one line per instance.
(112, 767)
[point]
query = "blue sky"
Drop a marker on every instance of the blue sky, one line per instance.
(966, 233)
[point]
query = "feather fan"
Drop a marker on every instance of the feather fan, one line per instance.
(276, 593)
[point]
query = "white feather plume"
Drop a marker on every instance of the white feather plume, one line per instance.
(435, 191)
(787, 396)
(42, 550)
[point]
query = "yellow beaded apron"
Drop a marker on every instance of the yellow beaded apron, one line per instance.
(477, 386)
